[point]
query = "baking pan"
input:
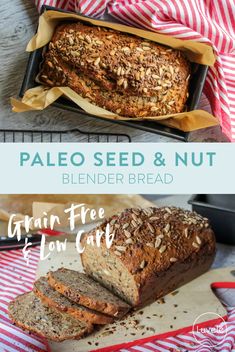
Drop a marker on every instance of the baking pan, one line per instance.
(220, 210)
(7, 243)
(195, 91)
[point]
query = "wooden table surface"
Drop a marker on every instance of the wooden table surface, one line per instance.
(18, 22)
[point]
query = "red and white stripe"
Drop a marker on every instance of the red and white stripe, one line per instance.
(207, 21)
(16, 277)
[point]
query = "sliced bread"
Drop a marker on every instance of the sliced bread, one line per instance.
(83, 290)
(54, 299)
(30, 314)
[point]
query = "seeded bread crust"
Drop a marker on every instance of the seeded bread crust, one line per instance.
(160, 248)
(54, 299)
(81, 289)
(113, 69)
(27, 312)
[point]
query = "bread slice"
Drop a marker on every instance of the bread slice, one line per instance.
(28, 313)
(81, 289)
(53, 298)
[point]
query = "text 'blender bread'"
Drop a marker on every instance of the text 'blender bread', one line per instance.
(122, 73)
(155, 250)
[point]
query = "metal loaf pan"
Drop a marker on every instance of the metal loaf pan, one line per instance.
(220, 210)
(195, 92)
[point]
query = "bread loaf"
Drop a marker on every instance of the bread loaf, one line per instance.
(81, 289)
(28, 313)
(54, 299)
(155, 250)
(122, 73)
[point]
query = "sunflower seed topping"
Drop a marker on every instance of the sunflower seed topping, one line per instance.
(195, 245)
(162, 249)
(117, 253)
(198, 240)
(142, 264)
(173, 260)
(121, 248)
(149, 244)
(167, 228)
(88, 39)
(120, 82)
(151, 228)
(153, 218)
(158, 242)
(125, 226)
(133, 223)
(127, 234)
(136, 212)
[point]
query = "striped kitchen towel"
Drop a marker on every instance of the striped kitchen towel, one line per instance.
(16, 277)
(208, 21)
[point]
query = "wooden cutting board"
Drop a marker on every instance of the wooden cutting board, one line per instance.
(177, 311)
